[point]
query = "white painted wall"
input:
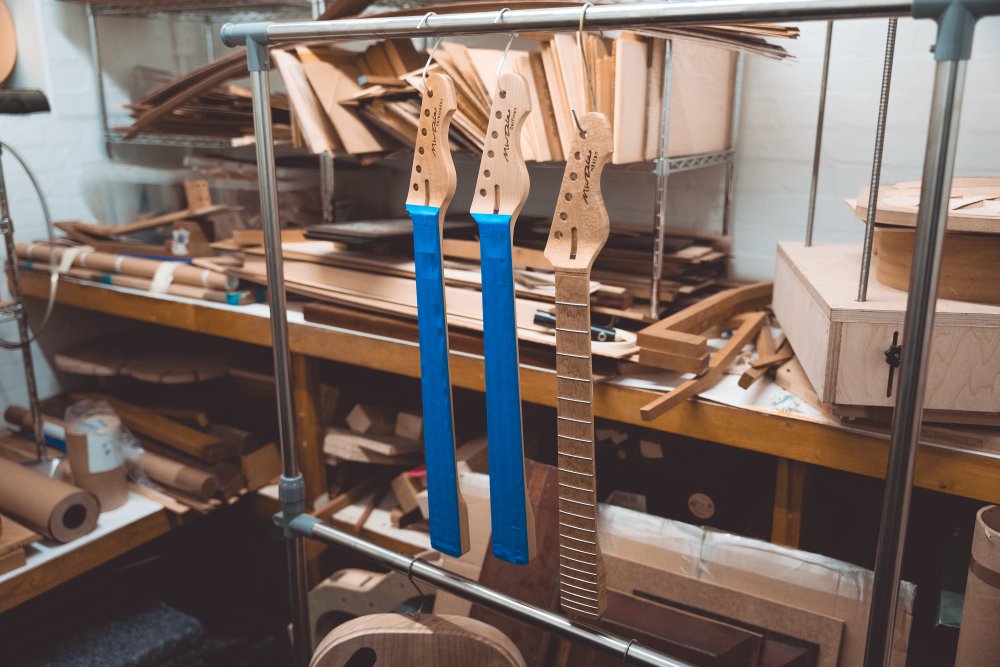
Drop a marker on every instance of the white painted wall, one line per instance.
(778, 129)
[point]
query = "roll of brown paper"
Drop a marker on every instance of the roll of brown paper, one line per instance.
(56, 509)
(979, 636)
(96, 458)
(186, 479)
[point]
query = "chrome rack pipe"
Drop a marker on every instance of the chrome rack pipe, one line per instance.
(291, 488)
(628, 651)
(818, 147)
(883, 112)
(601, 17)
(662, 174)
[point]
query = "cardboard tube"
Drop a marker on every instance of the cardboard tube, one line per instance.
(134, 266)
(56, 509)
(186, 479)
(979, 636)
(96, 458)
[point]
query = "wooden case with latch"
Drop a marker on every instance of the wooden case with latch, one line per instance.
(846, 346)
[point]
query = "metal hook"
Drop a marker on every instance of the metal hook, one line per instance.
(423, 21)
(423, 596)
(625, 652)
(585, 66)
(503, 58)
(583, 54)
(430, 58)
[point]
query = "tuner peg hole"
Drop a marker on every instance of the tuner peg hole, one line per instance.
(503, 96)
(423, 131)
(572, 176)
(490, 154)
(577, 155)
(427, 112)
(416, 187)
(499, 115)
(569, 196)
(421, 150)
(494, 134)
(419, 168)
(558, 235)
(430, 93)
(486, 173)
(563, 216)
(482, 192)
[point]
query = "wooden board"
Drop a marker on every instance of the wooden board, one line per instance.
(970, 264)
(841, 342)
(974, 205)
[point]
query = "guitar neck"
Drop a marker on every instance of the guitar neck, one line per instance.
(581, 567)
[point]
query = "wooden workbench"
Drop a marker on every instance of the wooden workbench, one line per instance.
(960, 472)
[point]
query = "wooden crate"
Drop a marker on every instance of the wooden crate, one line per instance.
(841, 343)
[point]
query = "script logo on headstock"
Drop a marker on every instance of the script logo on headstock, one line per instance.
(588, 170)
(508, 128)
(435, 123)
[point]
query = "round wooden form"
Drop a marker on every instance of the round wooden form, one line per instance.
(970, 264)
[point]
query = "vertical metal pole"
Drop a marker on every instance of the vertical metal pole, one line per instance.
(14, 287)
(817, 149)
(734, 131)
(883, 111)
(939, 162)
(662, 173)
(209, 39)
(291, 487)
(95, 54)
(327, 183)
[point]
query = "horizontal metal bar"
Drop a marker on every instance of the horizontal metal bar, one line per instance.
(629, 652)
(682, 12)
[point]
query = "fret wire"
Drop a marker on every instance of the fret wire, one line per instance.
(571, 419)
(569, 437)
(572, 303)
(579, 588)
(573, 605)
(578, 502)
(588, 598)
(569, 525)
(577, 488)
(575, 472)
(575, 456)
(581, 551)
(579, 516)
(566, 377)
(573, 400)
(581, 562)
(576, 331)
(573, 356)
(578, 539)
(570, 576)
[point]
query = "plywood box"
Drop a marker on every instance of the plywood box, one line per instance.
(841, 342)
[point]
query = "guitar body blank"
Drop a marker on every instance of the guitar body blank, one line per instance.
(396, 640)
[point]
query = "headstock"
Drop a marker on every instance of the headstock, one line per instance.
(502, 186)
(580, 225)
(433, 180)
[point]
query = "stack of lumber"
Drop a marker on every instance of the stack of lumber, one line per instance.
(204, 102)
(969, 267)
(204, 280)
(13, 539)
(367, 104)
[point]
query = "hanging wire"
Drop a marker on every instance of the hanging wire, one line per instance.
(430, 57)
(503, 59)
(53, 266)
(584, 66)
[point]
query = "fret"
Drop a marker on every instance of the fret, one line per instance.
(569, 525)
(586, 553)
(579, 231)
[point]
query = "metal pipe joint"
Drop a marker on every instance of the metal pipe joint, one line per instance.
(956, 21)
(292, 496)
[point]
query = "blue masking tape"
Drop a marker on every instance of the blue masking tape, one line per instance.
(435, 383)
(233, 298)
(503, 392)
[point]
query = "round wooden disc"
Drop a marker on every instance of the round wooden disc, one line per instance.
(8, 43)
(970, 264)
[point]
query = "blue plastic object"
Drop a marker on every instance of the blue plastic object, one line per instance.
(435, 382)
(503, 391)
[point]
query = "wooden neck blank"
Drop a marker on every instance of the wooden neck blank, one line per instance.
(433, 179)
(579, 231)
(502, 186)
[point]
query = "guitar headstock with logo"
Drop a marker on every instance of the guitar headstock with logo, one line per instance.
(580, 225)
(433, 179)
(502, 186)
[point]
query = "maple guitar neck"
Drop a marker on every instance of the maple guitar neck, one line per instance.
(579, 230)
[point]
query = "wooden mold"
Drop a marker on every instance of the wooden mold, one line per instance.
(841, 343)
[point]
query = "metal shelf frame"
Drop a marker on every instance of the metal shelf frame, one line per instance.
(956, 20)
